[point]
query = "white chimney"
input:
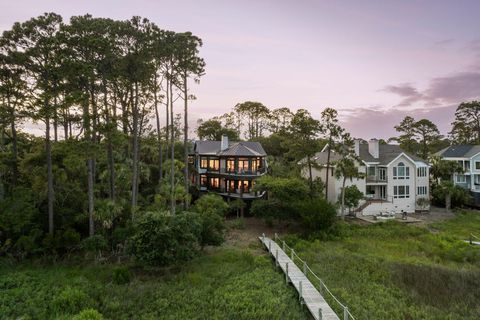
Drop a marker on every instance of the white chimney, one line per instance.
(356, 147)
(373, 148)
(224, 143)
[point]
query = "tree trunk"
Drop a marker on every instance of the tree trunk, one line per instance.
(448, 201)
(172, 150)
(310, 175)
(14, 143)
(50, 194)
(159, 134)
(185, 136)
(343, 198)
(329, 149)
(135, 151)
(91, 206)
(55, 119)
(111, 161)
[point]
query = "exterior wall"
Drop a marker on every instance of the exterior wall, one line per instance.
(405, 204)
(422, 182)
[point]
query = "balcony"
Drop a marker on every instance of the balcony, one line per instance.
(242, 173)
(377, 179)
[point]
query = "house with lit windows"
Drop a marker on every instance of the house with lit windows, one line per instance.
(228, 168)
(393, 180)
(468, 157)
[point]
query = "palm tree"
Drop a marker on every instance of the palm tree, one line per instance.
(347, 169)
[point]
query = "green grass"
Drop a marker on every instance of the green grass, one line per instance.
(226, 284)
(398, 271)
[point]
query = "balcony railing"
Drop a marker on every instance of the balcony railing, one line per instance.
(376, 179)
(242, 172)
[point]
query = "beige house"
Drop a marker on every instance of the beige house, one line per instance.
(393, 180)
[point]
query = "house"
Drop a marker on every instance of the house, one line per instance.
(393, 180)
(228, 168)
(468, 156)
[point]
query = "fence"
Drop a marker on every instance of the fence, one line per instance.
(322, 288)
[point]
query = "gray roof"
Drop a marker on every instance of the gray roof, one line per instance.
(387, 153)
(459, 151)
(242, 148)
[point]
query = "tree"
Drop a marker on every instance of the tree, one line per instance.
(352, 196)
(428, 136)
(303, 140)
(406, 128)
(346, 169)
(213, 129)
(466, 126)
(332, 132)
(256, 115)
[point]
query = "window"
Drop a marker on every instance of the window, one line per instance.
(400, 192)
(231, 165)
(203, 180)
(477, 165)
(214, 164)
(371, 171)
(421, 191)
(203, 163)
(214, 183)
(243, 164)
(461, 178)
(401, 171)
(422, 172)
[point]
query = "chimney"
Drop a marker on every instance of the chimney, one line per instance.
(224, 143)
(356, 147)
(373, 148)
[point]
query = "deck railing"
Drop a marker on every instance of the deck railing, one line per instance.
(322, 288)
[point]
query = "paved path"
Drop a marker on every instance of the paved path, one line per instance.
(309, 295)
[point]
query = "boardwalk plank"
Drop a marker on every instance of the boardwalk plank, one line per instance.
(310, 295)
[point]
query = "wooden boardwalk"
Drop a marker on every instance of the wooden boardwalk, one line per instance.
(308, 294)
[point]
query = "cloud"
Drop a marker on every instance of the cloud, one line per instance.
(409, 93)
(370, 122)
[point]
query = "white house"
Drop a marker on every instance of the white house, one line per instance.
(468, 156)
(393, 179)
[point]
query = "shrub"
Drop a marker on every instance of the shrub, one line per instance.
(121, 275)
(213, 228)
(88, 314)
(71, 300)
(211, 203)
(94, 243)
(316, 215)
(162, 239)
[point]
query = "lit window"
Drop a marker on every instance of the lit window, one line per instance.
(203, 180)
(231, 165)
(214, 164)
(214, 183)
(203, 163)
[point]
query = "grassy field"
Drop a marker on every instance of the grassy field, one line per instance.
(398, 271)
(227, 283)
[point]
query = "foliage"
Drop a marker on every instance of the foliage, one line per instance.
(71, 301)
(213, 130)
(94, 244)
(121, 275)
(162, 239)
(283, 189)
(317, 215)
(224, 284)
(446, 192)
(88, 314)
(352, 196)
(466, 127)
(211, 203)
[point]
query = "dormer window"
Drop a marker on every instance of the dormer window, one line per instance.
(401, 171)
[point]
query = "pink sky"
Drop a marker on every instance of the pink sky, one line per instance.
(374, 61)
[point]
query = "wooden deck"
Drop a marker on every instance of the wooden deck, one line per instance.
(308, 294)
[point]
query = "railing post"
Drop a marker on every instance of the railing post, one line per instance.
(345, 313)
(292, 255)
(276, 236)
(270, 246)
(286, 272)
(300, 295)
(276, 257)
(283, 247)
(263, 237)
(320, 316)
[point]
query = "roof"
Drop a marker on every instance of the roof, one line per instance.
(460, 151)
(242, 148)
(387, 153)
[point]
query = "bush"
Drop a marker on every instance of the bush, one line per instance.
(161, 239)
(211, 203)
(121, 275)
(71, 300)
(316, 215)
(213, 228)
(88, 314)
(94, 244)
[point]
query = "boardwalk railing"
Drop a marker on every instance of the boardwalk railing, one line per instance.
(308, 272)
(472, 236)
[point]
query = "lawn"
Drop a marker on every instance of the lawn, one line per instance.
(398, 271)
(226, 283)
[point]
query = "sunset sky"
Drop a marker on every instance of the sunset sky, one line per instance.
(374, 61)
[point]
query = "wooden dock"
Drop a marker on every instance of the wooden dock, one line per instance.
(308, 294)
